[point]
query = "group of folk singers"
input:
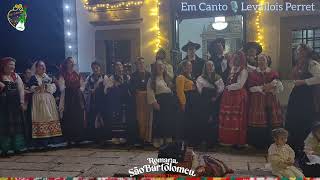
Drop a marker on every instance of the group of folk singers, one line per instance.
(229, 99)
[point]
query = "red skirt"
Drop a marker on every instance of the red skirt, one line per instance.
(265, 110)
(233, 117)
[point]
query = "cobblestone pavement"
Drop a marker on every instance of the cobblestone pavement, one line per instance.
(98, 162)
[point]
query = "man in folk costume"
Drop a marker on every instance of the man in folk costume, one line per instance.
(197, 63)
(216, 50)
(252, 50)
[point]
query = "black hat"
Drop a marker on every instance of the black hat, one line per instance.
(254, 45)
(190, 44)
(222, 41)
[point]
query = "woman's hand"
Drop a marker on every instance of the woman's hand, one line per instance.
(156, 106)
(2, 86)
(268, 87)
(23, 107)
(299, 82)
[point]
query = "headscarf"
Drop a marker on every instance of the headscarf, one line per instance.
(34, 67)
(45, 77)
(211, 78)
(3, 62)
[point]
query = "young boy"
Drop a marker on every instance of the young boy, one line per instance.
(281, 156)
(312, 145)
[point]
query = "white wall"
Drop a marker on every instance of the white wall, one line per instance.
(190, 30)
(86, 39)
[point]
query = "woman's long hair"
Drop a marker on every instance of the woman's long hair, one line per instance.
(154, 75)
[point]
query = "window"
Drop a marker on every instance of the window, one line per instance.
(307, 36)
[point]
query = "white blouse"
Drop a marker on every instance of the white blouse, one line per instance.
(161, 87)
(20, 85)
(203, 83)
(242, 78)
(251, 68)
(50, 88)
(109, 82)
(314, 69)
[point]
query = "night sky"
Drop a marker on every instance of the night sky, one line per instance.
(43, 37)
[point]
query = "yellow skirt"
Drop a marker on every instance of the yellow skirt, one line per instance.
(143, 115)
(45, 117)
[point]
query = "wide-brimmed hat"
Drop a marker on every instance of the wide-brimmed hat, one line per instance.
(190, 44)
(254, 45)
(222, 41)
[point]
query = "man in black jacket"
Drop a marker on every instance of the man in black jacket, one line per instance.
(216, 50)
(197, 63)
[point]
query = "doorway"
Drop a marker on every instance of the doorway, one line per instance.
(117, 50)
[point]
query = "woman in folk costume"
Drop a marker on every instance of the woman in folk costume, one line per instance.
(252, 50)
(119, 100)
(71, 105)
(303, 103)
(11, 106)
(189, 101)
(46, 128)
(94, 98)
(160, 96)
(233, 108)
(265, 110)
(210, 85)
(139, 80)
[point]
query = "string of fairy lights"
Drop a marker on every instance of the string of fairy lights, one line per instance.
(70, 29)
(154, 12)
(112, 6)
(259, 28)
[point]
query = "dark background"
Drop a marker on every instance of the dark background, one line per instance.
(43, 38)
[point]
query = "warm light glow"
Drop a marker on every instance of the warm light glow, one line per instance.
(154, 12)
(259, 28)
(113, 6)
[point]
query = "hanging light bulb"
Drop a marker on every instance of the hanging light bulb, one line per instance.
(219, 23)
